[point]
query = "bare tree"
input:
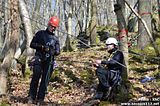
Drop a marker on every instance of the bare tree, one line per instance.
(68, 24)
(27, 29)
(123, 33)
(1, 24)
(13, 39)
(93, 22)
(158, 2)
(144, 9)
(5, 23)
(35, 16)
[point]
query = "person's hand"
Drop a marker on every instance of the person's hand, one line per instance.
(45, 48)
(96, 63)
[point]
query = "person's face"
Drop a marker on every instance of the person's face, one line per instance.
(51, 28)
(109, 47)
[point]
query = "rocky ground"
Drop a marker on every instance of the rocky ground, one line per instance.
(74, 82)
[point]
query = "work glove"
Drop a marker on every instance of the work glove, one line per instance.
(45, 48)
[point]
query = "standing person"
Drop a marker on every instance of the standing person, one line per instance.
(110, 75)
(47, 47)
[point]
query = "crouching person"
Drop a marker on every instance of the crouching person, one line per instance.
(110, 75)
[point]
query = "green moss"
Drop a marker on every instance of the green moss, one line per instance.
(97, 40)
(4, 104)
(158, 42)
(55, 75)
(122, 94)
(62, 101)
(22, 59)
(156, 73)
(4, 101)
(149, 50)
(49, 88)
(158, 82)
(102, 28)
(87, 76)
(28, 73)
(104, 103)
(84, 75)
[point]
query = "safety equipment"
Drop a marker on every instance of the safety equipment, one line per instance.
(111, 40)
(45, 48)
(54, 21)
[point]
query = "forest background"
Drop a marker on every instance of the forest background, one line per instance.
(84, 26)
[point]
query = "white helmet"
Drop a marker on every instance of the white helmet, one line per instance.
(111, 40)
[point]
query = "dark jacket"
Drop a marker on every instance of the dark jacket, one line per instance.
(112, 63)
(44, 38)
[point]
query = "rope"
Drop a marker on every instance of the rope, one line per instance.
(119, 63)
(48, 72)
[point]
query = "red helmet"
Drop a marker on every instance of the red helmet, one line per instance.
(54, 21)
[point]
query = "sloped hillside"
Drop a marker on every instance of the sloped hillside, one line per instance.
(74, 81)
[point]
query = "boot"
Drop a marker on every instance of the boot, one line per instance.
(107, 93)
(41, 102)
(98, 95)
(30, 100)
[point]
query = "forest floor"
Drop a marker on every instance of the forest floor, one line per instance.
(74, 82)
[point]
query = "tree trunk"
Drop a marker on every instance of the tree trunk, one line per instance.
(68, 25)
(5, 46)
(27, 25)
(93, 23)
(122, 3)
(1, 24)
(4, 30)
(144, 9)
(27, 28)
(158, 2)
(123, 33)
(87, 16)
(111, 17)
(13, 39)
(36, 16)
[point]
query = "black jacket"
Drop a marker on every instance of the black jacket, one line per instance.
(45, 38)
(115, 61)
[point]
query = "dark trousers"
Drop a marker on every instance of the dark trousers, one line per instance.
(40, 70)
(107, 78)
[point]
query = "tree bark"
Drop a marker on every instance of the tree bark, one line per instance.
(93, 23)
(123, 33)
(27, 25)
(13, 39)
(144, 9)
(68, 25)
(27, 29)
(158, 2)
(35, 15)
(5, 22)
